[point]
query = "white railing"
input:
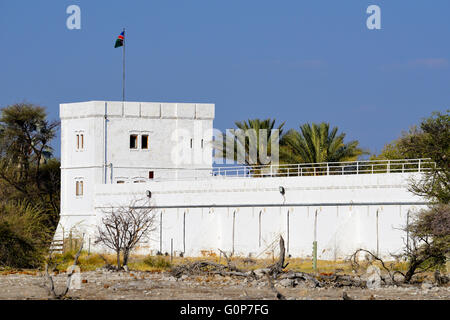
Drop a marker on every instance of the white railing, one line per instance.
(304, 169)
(326, 168)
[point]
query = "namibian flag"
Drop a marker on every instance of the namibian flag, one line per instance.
(120, 39)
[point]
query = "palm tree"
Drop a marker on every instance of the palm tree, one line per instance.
(253, 137)
(316, 143)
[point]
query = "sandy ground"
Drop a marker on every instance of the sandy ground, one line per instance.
(100, 285)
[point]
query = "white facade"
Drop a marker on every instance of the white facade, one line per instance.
(242, 215)
(95, 145)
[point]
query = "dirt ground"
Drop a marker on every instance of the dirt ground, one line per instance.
(107, 285)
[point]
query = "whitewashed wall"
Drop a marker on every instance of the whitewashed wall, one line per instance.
(340, 228)
(251, 213)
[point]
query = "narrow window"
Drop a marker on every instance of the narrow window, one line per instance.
(191, 143)
(78, 141)
(144, 141)
(82, 141)
(120, 181)
(133, 141)
(151, 175)
(202, 143)
(79, 188)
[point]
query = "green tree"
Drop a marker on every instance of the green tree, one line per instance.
(429, 231)
(251, 141)
(432, 140)
(317, 143)
(27, 169)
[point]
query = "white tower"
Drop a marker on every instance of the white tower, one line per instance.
(106, 142)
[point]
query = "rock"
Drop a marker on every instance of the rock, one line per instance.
(426, 286)
(398, 277)
(287, 283)
(373, 269)
(261, 272)
(373, 281)
(373, 277)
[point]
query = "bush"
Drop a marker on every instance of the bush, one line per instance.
(15, 250)
(24, 235)
(157, 262)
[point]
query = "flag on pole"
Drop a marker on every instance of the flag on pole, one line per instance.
(119, 41)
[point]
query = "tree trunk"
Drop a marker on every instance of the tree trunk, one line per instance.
(118, 260)
(125, 257)
(411, 270)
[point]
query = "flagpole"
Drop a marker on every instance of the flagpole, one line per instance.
(123, 80)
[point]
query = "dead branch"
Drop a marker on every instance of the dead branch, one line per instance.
(355, 264)
(231, 266)
(278, 267)
(51, 283)
(279, 295)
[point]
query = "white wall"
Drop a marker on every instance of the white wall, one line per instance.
(106, 127)
(244, 215)
(340, 228)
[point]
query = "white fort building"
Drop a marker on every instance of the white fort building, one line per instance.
(114, 152)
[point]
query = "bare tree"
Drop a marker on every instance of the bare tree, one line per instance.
(123, 227)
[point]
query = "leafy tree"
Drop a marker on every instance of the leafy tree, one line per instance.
(429, 240)
(432, 140)
(317, 143)
(27, 169)
(250, 142)
(429, 232)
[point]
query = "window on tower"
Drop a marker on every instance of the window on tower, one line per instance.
(79, 188)
(133, 141)
(79, 141)
(144, 141)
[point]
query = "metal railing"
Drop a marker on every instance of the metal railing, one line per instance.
(327, 168)
(307, 169)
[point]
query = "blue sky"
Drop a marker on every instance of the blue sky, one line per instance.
(296, 61)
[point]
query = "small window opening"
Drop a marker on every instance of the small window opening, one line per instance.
(144, 142)
(191, 143)
(133, 141)
(202, 143)
(120, 181)
(79, 188)
(82, 141)
(151, 174)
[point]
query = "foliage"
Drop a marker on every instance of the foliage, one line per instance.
(317, 143)
(429, 234)
(433, 141)
(251, 143)
(157, 262)
(24, 235)
(429, 240)
(430, 140)
(27, 169)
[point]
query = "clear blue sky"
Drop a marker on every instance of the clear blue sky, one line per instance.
(299, 61)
